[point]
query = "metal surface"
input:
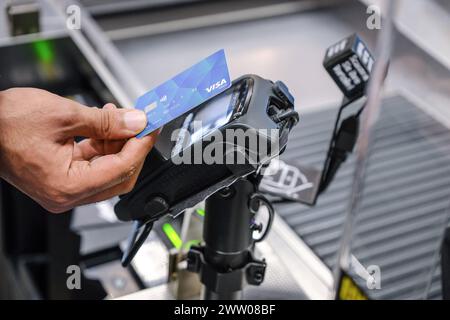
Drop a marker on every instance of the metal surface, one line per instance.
(201, 14)
(404, 204)
(264, 47)
(102, 7)
(252, 47)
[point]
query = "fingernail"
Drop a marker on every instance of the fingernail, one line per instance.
(109, 106)
(135, 120)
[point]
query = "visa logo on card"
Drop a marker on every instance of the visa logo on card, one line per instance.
(184, 92)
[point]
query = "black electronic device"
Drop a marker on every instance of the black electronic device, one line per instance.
(253, 106)
(350, 63)
(231, 136)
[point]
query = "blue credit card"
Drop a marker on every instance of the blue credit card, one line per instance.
(184, 92)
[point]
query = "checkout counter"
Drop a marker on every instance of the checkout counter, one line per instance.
(124, 48)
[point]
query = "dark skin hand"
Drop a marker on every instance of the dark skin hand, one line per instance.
(39, 156)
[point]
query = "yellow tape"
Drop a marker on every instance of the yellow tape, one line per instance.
(348, 290)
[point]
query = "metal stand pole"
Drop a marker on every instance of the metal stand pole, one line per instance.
(225, 262)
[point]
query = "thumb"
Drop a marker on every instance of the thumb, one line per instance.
(108, 123)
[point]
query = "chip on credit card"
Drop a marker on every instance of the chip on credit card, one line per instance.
(184, 92)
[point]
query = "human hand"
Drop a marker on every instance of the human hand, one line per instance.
(39, 156)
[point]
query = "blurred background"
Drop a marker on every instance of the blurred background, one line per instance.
(97, 51)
